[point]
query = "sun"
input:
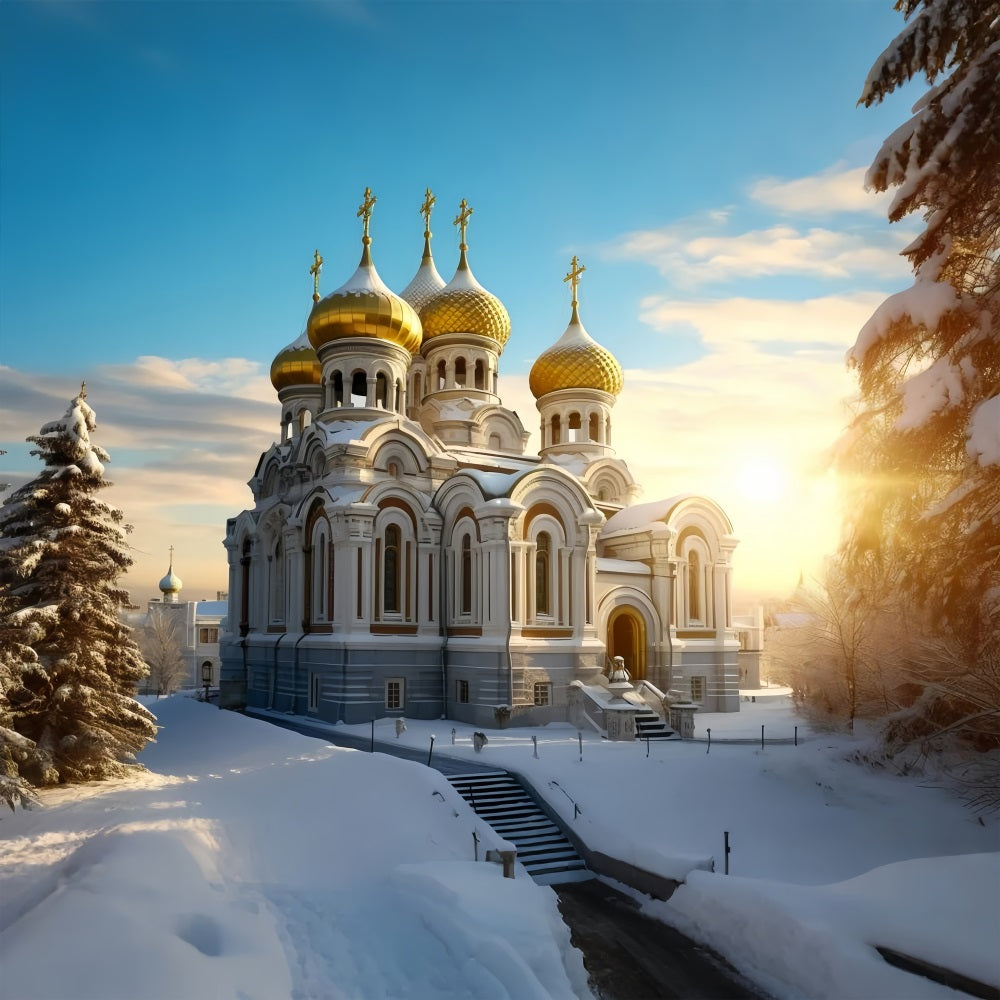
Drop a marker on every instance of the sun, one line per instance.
(762, 478)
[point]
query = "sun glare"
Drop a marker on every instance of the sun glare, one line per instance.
(762, 478)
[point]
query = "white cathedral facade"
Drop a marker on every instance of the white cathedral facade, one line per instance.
(404, 555)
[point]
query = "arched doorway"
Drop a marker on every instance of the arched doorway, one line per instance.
(627, 638)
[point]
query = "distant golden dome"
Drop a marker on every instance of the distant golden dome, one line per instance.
(364, 307)
(296, 364)
(575, 361)
(464, 306)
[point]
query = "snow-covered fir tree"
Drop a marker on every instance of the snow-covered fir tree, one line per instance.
(926, 440)
(62, 550)
(925, 443)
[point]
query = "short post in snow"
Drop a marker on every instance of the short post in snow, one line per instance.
(576, 810)
(709, 748)
(796, 735)
(453, 735)
(534, 743)
(373, 736)
(579, 736)
(762, 737)
(431, 751)
(647, 746)
(475, 844)
(726, 836)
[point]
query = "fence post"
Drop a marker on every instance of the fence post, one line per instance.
(373, 736)
(726, 835)
(762, 737)
(796, 735)
(709, 748)
(579, 736)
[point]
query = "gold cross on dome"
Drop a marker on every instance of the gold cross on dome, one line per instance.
(317, 266)
(575, 270)
(462, 221)
(365, 210)
(426, 208)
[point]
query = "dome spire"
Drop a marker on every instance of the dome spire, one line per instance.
(365, 214)
(575, 270)
(425, 210)
(314, 270)
(462, 221)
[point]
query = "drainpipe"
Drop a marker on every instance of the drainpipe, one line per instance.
(274, 674)
(295, 674)
(442, 631)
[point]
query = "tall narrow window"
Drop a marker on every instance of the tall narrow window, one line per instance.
(394, 693)
(319, 576)
(382, 391)
(462, 692)
(314, 692)
(418, 389)
(556, 429)
(460, 372)
(466, 603)
(245, 587)
(278, 584)
(543, 556)
(441, 375)
(575, 426)
(694, 586)
(594, 424)
(390, 570)
(338, 389)
(359, 389)
(480, 375)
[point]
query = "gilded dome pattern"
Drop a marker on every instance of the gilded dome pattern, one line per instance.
(364, 307)
(575, 361)
(296, 364)
(425, 285)
(464, 306)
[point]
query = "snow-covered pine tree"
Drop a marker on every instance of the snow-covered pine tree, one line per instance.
(925, 444)
(62, 551)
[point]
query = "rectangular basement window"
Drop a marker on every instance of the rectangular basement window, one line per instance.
(394, 692)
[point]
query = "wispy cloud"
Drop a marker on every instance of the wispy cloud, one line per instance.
(836, 190)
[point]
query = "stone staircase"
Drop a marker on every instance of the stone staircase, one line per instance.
(650, 726)
(542, 848)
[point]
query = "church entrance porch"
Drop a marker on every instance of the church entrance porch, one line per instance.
(627, 638)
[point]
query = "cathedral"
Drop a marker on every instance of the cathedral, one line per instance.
(405, 556)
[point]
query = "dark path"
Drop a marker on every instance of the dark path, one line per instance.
(632, 957)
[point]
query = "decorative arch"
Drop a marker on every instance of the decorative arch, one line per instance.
(629, 626)
(317, 568)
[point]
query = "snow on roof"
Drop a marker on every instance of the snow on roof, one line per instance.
(642, 515)
(622, 566)
(576, 464)
(495, 484)
(213, 608)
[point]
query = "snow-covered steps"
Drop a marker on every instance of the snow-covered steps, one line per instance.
(649, 726)
(542, 847)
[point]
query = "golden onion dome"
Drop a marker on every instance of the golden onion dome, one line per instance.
(463, 305)
(296, 364)
(364, 306)
(575, 361)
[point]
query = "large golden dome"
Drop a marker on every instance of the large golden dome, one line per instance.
(296, 364)
(463, 305)
(364, 306)
(575, 361)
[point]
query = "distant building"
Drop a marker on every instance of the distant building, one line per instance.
(404, 556)
(199, 624)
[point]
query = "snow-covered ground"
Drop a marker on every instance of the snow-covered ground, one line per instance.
(251, 862)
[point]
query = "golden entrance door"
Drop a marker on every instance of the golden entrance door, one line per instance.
(627, 638)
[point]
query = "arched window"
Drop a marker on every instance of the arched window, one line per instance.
(391, 570)
(556, 429)
(359, 389)
(441, 375)
(277, 588)
(245, 558)
(465, 606)
(460, 372)
(694, 586)
(320, 572)
(543, 560)
(594, 430)
(495, 442)
(575, 424)
(382, 391)
(480, 375)
(338, 389)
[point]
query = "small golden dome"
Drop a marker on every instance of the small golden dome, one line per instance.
(464, 306)
(575, 361)
(296, 364)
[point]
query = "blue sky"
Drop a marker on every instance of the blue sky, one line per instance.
(167, 170)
